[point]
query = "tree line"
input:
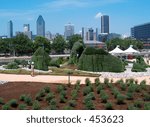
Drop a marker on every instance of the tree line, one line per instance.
(22, 45)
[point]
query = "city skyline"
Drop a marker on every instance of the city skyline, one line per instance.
(123, 14)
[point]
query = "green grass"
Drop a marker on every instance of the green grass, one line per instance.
(55, 71)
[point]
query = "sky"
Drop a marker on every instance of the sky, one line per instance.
(124, 14)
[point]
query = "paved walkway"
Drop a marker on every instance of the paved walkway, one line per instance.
(56, 79)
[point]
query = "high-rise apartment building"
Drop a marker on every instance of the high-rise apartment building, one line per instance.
(69, 30)
(40, 26)
(105, 24)
(10, 29)
(141, 32)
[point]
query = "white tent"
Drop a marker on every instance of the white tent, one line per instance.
(130, 50)
(117, 50)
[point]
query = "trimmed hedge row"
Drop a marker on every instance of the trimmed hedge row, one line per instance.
(98, 60)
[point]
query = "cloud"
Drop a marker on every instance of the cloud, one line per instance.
(61, 4)
(98, 15)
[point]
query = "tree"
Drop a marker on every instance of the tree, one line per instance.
(124, 43)
(42, 42)
(59, 44)
(5, 45)
(73, 39)
(41, 59)
(22, 45)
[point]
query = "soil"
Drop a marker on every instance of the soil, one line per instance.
(13, 90)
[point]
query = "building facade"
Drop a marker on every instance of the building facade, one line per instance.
(141, 32)
(105, 24)
(40, 26)
(69, 30)
(10, 29)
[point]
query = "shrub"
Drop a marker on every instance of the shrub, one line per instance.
(89, 105)
(36, 105)
(47, 89)
(42, 93)
(138, 88)
(22, 97)
(60, 88)
(115, 92)
(132, 107)
(55, 63)
(13, 103)
(146, 97)
(108, 106)
(6, 107)
(72, 103)
(132, 88)
(110, 85)
(91, 96)
(74, 94)
(22, 106)
(129, 95)
(28, 100)
(62, 99)
(38, 97)
(24, 63)
(106, 81)
(87, 82)
(120, 99)
(41, 59)
(87, 90)
(143, 84)
(1, 101)
(123, 86)
(104, 96)
(53, 102)
(138, 68)
(147, 106)
(99, 88)
(68, 108)
(12, 65)
(49, 97)
(63, 93)
(138, 104)
(97, 82)
(77, 85)
(17, 61)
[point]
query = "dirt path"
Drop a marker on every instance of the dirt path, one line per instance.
(56, 79)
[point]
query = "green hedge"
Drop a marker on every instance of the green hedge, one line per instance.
(41, 59)
(98, 60)
(139, 65)
(12, 65)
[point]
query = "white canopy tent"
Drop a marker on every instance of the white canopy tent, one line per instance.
(130, 50)
(117, 50)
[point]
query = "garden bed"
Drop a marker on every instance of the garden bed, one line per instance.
(117, 96)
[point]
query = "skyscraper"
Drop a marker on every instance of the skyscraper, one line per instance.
(105, 24)
(90, 34)
(27, 31)
(69, 30)
(26, 27)
(10, 29)
(40, 26)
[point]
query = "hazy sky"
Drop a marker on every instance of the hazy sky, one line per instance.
(82, 13)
